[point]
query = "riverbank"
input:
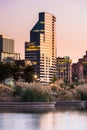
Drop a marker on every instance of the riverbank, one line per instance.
(41, 105)
(71, 103)
(26, 106)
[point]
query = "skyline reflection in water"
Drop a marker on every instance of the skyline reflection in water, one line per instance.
(54, 120)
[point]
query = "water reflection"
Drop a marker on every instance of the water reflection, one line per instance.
(64, 121)
(49, 120)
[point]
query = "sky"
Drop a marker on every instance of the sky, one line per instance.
(17, 17)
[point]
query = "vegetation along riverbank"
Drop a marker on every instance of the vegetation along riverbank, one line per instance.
(36, 92)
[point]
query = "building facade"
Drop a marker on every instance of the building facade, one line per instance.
(64, 69)
(6, 44)
(80, 68)
(9, 57)
(7, 49)
(42, 47)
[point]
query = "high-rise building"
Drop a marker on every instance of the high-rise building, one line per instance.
(64, 69)
(6, 44)
(42, 47)
(7, 49)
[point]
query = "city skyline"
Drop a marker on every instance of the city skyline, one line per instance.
(18, 17)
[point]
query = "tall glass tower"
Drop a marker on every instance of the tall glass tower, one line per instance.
(42, 47)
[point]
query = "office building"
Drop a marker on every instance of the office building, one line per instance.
(6, 44)
(80, 68)
(41, 49)
(7, 49)
(64, 69)
(9, 57)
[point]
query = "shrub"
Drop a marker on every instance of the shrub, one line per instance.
(32, 92)
(54, 88)
(71, 86)
(82, 90)
(33, 95)
(28, 95)
(17, 90)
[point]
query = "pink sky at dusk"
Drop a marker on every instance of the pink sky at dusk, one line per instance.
(17, 17)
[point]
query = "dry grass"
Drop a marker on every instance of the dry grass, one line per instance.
(55, 90)
(35, 85)
(6, 93)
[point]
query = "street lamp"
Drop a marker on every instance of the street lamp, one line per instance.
(35, 77)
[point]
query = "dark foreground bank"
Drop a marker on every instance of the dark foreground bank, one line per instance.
(41, 105)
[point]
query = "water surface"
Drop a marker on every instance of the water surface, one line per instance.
(53, 120)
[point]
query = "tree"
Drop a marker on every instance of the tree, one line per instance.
(75, 78)
(16, 72)
(54, 79)
(6, 71)
(9, 70)
(66, 81)
(28, 74)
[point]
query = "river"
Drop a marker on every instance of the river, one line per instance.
(49, 120)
